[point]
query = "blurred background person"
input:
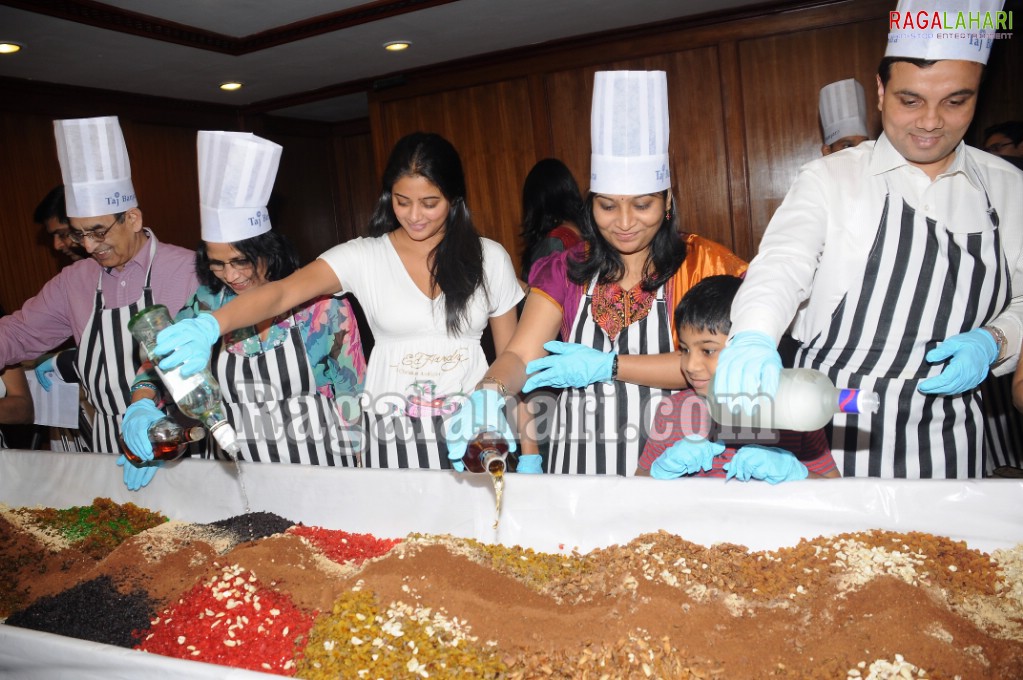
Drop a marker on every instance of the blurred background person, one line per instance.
(551, 210)
(51, 215)
(843, 111)
(1005, 139)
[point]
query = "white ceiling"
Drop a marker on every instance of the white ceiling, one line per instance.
(69, 52)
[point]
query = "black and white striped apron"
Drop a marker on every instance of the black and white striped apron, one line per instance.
(395, 439)
(108, 359)
(601, 429)
(272, 401)
(921, 285)
(1003, 425)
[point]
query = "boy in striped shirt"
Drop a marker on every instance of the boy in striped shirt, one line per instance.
(684, 441)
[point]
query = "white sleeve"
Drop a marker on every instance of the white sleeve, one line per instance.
(348, 260)
(781, 275)
(3, 387)
(502, 284)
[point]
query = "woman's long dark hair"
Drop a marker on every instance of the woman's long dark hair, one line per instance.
(456, 264)
(666, 254)
(550, 196)
(270, 247)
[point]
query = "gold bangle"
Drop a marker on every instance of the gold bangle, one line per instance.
(492, 379)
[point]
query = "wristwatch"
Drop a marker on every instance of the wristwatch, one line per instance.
(1000, 340)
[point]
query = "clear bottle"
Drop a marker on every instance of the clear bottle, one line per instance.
(169, 441)
(198, 395)
(806, 400)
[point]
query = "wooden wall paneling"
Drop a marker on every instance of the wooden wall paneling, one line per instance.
(491, 126)
(358, 182)
(302, 202)
(781, 78)
(28, 170)
(540, 103)
(699, 152)
(570, 93)
(733, 122)
(722, 208)
(164, 172)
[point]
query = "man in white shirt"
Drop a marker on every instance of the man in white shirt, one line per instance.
(892, 261)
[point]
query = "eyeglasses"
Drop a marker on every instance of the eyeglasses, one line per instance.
(238, 264)
(97, 235)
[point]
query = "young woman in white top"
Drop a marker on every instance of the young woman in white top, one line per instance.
(429, 285)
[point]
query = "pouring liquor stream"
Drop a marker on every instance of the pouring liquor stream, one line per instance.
(488, 453)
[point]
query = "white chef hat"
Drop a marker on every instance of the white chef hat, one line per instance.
(951, 29)
(236, 175)
(843, 107)
(94, 165)
(629, 133)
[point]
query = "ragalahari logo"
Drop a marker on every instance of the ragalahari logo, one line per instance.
(924, 20)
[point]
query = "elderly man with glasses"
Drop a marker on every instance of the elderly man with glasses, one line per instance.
(91, 301)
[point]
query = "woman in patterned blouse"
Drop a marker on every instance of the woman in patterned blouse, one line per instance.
(290, 383)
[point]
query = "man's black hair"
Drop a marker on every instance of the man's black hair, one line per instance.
(884, 69)
(52, 205)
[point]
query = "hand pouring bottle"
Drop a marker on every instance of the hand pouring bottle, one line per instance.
(197, 396)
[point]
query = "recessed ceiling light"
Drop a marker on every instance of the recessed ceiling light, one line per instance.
(231, 85)
(397, 45)
(9, 47)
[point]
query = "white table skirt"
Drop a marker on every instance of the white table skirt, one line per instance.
(550, 513)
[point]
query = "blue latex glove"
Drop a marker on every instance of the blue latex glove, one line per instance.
(43, 371)
(747, 366)
(137, 477)
(530, 464)
(483, 410)
(773, 465)
(686, 456)
(971, 356)
(569, 365)
(135, 425)
(187, 344)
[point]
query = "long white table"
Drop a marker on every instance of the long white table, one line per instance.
(550, 513)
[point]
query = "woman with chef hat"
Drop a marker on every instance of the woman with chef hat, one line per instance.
(285, 379)
(429, 284)
(611, 297)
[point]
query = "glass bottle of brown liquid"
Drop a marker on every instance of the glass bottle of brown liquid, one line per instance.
(488, 452)
(169, 441)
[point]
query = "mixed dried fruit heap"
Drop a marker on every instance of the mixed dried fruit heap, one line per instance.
(260, 592)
